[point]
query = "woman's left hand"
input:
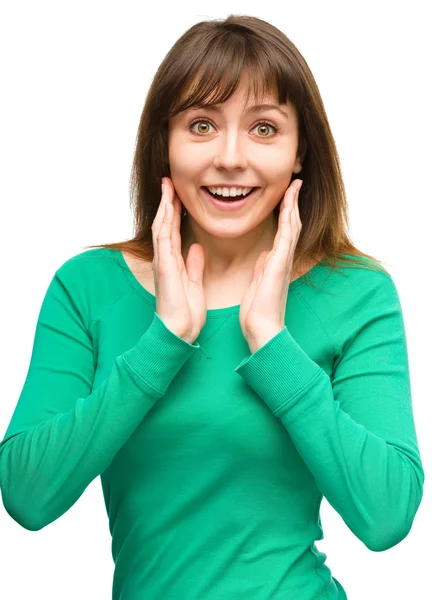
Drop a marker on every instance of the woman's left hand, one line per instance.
(262, 309)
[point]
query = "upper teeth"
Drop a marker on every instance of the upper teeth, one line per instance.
(224, 191)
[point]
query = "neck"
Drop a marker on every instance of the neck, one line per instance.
(229, 255)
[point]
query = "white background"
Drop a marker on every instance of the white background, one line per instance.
(75, 77)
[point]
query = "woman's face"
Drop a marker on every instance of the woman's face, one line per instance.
(257, 148)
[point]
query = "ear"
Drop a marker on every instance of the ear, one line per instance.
(302, 151)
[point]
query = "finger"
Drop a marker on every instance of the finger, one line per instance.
(287, 201)
(283, 218)
(294, 193)
(285, 239)
(260, 263)
(158, 220)
(168, 197)
(288, 197)
(175, 228)
(297, 188)
(286, 229)
(295, 227)
(164, 235)
(296, 212)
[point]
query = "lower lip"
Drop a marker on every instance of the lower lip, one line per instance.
(236, 205)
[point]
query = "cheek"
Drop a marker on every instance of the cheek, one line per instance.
(185, 161)
(178, 153)
(273, 198)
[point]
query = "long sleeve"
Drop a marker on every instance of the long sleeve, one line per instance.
(61, 435)
(354, 430)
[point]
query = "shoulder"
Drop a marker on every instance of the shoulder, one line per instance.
(366, 284)
(92, 280)
(369, 284)
(345, 298)
(365, 300)
(354, 278)
(327, 282)
(136, 264)
(89, 260)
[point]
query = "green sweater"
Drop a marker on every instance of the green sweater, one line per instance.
(214, 461)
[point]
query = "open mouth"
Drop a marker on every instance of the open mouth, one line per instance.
(229, 198)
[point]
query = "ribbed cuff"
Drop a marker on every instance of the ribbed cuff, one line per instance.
(159, 355)
(279, 370)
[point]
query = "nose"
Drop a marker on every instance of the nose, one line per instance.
(229, 152)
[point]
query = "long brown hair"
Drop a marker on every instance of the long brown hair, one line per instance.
(205, 67)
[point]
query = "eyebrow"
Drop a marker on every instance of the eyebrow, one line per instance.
(251, 109)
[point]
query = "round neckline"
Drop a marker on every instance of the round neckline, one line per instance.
(212, 312)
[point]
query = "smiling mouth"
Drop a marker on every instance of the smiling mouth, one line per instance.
(229, 198)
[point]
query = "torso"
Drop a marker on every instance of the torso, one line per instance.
(218, 294)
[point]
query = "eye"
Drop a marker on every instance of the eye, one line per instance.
(267, 123)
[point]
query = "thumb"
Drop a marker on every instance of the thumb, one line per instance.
(260, 264)
(195, 264)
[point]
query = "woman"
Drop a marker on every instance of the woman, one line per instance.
(233, 363)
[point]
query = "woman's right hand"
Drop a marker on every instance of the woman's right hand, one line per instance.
(180, 297)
